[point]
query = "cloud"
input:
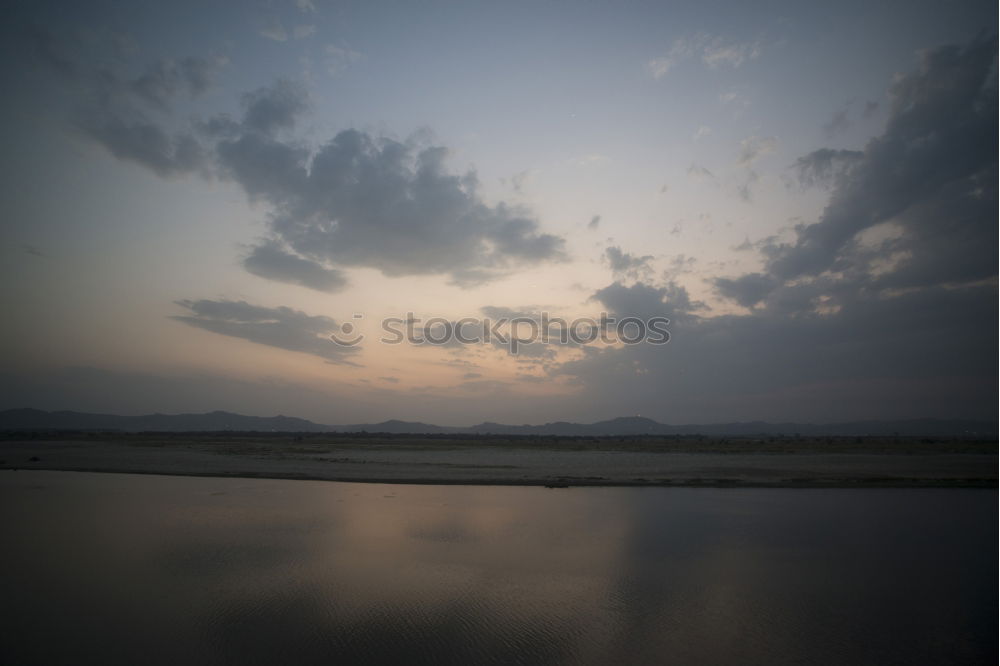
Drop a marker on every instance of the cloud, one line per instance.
(126, 113)
(148, 144)
(678, 265)
(272, 261)
(355, 200)
(699, 172)
(303, 31)
(518, 180)
(753, 148)
(714, 52)
(837, 124)
(59, 53)
(533, 350)
(274, 30)
(280, 327)
(628, 265)
(747, 290)
(502, 312)
(276, 107)
(338, 58)
(721, 54)
(645, 300)
(659, 67)
(932, 174)
(825, 166)
(366, 201)
(902, 358)
(165, 80)
(552, 330)
(885, 307)
(701, 132)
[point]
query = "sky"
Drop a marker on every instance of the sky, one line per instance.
(197, 195)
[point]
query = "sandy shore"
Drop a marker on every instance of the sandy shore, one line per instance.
(611, 462)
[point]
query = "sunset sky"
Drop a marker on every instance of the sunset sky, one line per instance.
(196, 195)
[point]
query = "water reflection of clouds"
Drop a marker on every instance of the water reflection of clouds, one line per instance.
(232, 570)
(467, 571)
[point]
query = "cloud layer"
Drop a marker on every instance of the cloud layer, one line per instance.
(931, 177)
(361, 200)
(714, 52)
(355, 200)
(279, 327)
(886, 305)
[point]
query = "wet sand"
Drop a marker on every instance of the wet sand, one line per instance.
(837, 462)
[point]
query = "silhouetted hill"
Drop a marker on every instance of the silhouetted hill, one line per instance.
(395, 426)
(626, 425)
(34, 419)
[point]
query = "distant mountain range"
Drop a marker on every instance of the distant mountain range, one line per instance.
(34, 419)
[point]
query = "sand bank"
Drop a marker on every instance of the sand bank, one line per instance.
(529, 462)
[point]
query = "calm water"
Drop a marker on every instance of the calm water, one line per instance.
(123, 569)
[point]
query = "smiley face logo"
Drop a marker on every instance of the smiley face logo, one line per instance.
(346, 336)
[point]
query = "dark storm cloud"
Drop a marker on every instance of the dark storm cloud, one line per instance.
(279, 327)
(747, 290)
(931, 352)
(900, 320)
(271, 261)
(356, 200)
(824, 166)
(934, 169)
